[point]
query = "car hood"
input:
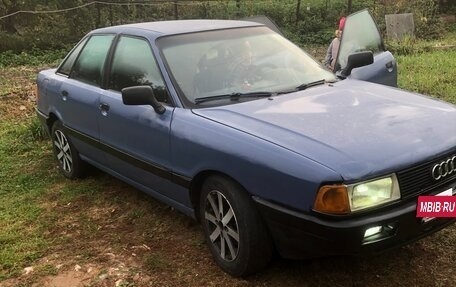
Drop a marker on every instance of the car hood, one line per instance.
(358, 129)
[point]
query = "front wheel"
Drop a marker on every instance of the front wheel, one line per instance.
(65, 153)
(233, 229)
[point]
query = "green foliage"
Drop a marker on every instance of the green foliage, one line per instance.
(12, 42)
(407, 46)
(428, 24)
(23, 176)
(451, 28)
(34, 57)
(314, 22)
(413, 46)
(36, 131)
(430, 73)
(427, 21)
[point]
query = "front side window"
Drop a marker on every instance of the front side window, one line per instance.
(360, 34)
(135, 65)
(65, 68)
(89, 66)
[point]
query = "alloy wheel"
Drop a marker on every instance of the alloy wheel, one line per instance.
(63, 149)
(222, 225)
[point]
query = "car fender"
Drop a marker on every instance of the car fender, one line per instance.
(263, 168)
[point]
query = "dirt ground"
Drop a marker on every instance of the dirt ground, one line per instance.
(120, 237)
(102, 232)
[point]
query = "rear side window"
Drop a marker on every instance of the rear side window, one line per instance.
(135, 65)
(89, 66)
(65, 68)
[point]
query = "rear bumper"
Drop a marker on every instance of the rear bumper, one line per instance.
(298, 235)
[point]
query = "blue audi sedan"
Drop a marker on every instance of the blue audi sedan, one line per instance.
(232, 124)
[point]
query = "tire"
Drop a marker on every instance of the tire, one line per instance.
(235, 233)
(66, 155)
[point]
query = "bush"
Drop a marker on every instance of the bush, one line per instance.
(314, 23)
(428, 24)
(35, 57)
(407, 46)
(12, 42)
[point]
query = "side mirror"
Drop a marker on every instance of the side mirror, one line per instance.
(356, 60)
(141, 95)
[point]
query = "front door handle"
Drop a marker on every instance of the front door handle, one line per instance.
(64, 94)
(104, 108)
(389, 66)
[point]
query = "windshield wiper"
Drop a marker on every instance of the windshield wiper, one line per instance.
(234, 96)
(311, 84)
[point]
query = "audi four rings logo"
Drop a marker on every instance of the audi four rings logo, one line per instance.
(445, 168)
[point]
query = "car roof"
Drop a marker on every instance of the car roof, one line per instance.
(180, 26)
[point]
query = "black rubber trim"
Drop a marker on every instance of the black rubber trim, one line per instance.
(41, 115)
(43, 118)
(298, 235)
(339, 222)
(149, 167)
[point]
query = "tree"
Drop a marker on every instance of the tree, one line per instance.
(8, 7)
(349, 7)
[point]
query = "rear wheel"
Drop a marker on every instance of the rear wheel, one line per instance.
(234, 231)
(65, 153)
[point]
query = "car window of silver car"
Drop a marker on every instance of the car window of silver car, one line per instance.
(134, 65)
(90, 63)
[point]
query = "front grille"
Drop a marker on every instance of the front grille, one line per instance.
(418, 179)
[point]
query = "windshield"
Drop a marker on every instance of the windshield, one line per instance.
(237, 61)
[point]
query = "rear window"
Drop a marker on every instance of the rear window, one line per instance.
(65, 68)
(90, 63)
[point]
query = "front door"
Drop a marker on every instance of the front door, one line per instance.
(136, 138)
(361, 34)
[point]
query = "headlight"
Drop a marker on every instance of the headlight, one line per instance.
(372, 193)
(343, 199)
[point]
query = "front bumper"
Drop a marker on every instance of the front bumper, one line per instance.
(297, 235)
(43, 120)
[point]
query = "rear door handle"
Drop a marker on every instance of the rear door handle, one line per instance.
(104, 108)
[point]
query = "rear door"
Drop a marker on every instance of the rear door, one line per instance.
(80, 93)
(361, 34)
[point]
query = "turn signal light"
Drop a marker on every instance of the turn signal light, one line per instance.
(332, 199)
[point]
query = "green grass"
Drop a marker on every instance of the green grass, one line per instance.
(428, 67)
(431, 73)
(24, 173)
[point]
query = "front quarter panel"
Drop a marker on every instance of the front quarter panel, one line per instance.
(45, 80)
(263, 168)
